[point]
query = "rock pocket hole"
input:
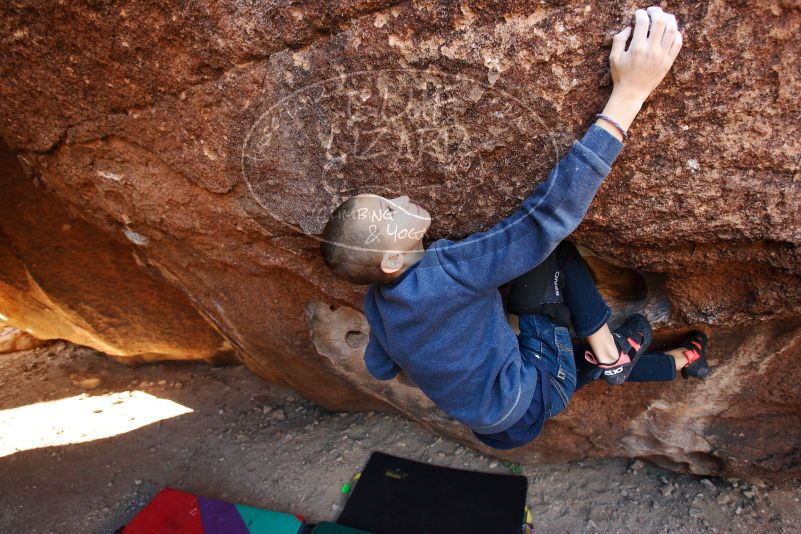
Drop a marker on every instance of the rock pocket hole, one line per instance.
(619, 283)
(355, 339)
(630, 291)
(693, 462)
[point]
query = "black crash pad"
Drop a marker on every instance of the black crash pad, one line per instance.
(399, 496)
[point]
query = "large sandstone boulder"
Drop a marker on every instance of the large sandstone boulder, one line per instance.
(173, 166)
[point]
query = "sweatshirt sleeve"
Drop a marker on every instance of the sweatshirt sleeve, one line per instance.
(517, 244)
(378, 362)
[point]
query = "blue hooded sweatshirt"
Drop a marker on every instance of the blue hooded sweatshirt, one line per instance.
(442, 320)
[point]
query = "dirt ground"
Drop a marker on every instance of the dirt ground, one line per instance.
(230, 435)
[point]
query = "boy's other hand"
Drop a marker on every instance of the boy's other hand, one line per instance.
(654, 46)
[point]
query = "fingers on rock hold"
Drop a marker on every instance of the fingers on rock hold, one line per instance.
(619, 42)
(641, 22)
(658, 25)
(676, 46)
(671, 29)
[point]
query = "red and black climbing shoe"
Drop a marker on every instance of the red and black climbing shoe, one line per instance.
(632, 339)
(696, 366)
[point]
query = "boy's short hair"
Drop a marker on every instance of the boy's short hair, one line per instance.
(345, 250)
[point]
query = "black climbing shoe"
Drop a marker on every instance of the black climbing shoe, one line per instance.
(697, 366)
(632, 339)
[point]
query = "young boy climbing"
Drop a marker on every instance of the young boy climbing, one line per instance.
(436, 312)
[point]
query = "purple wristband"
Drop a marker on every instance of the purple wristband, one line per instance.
(614, 123)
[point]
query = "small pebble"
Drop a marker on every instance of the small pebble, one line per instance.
(635, 466)
(708, 483)
(85, 382)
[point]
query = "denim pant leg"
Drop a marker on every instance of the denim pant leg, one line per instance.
(588, 310)
(545, 339)
(563, 376)
(651, 367)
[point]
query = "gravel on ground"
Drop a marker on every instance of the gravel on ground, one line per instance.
(227, 434)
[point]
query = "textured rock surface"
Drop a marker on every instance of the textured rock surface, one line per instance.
(13, 339)
(61, 277)
(199, 149)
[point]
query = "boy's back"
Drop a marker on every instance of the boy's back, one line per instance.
(442, 321)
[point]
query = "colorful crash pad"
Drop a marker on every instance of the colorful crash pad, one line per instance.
(177, 512)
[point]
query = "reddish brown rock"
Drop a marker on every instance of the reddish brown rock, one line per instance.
(199, 150)
(13, 339)
(61, 278)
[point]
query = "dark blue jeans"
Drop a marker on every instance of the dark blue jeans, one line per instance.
(539, 338)
(547, 346)
(562, 365)
(589, 312)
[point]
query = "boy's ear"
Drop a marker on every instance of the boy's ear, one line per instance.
(391, 262)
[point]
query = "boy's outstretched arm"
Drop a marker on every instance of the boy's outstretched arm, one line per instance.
(517, 244)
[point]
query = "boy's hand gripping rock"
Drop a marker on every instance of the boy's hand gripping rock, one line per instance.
(637, 71)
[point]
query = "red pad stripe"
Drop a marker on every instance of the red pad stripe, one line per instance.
(170, 511)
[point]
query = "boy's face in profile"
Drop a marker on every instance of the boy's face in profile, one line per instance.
(395, 224)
